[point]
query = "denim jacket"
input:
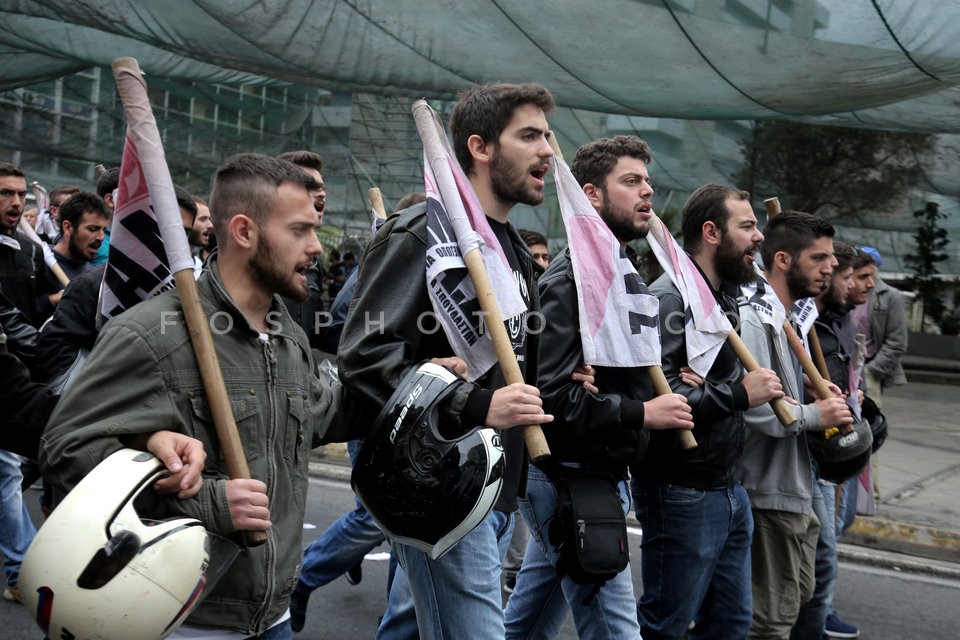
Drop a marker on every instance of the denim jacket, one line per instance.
(142, 376)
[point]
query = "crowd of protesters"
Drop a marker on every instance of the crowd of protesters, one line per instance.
(739, 533)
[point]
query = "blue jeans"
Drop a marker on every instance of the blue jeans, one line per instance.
(16, 527)
(541, 598)
(454, 597)
(847, 509)
(342, 545)
(695, 560)
(813, 613)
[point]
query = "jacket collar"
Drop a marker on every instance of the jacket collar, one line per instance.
(212, 288)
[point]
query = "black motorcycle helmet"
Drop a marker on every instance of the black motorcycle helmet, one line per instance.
(878, 422)
(841, 456)
(421, 488)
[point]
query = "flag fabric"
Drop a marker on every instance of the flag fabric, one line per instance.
(619, 317)
(764, 301)
(24, 227)
(456, 225)
(137, 266)
(805, 312)
(147, 242)
(706, 326)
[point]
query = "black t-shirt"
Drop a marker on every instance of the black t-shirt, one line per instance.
(516, 326)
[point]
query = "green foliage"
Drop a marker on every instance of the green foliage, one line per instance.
(822, 169)
(931, 240)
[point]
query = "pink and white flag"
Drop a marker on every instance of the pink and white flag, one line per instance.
(457, 225)
(706, 326)
(619, 317)
(805, 312)
(147, 242)
(764, 301)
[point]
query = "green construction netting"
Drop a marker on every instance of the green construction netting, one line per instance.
(338, 77)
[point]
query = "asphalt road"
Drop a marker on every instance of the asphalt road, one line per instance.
(886, 604)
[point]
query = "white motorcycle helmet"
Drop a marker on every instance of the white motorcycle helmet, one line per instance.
(96, 570)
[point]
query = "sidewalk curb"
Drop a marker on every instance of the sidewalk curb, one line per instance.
(917, 540)
(894, 561)
(870, 541)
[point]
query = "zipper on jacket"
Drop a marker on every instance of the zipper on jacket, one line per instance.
(270, 363)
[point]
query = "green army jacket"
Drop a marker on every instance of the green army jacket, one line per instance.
(142, 376)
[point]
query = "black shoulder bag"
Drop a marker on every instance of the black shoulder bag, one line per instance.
(589, 530)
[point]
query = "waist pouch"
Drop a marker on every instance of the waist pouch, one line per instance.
(589, 530)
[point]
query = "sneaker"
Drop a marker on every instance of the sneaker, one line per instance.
(298, 610)
(12, 594)
(509, 584)
(355, 573)
(837, 628)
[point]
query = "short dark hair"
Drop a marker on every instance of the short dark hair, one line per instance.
(75, 206)
(303, 158)
(185, 200)
(247, 183)
(845, 254)
(10, 169)
(109, 181)
(792, 232)
(706, 204)
(531, 237)
(60, 194)
(486, 109)
(412, 198)
(594, 161)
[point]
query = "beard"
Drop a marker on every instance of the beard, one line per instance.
(268, 269)
(509, 183)
(833, 299)
(77, 252)
(730, 263)
(622, 222)
(801, 286)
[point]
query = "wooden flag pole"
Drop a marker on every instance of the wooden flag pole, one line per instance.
(660, 384)
(48, 258)
(533, 436)
(376, 202)
(132, 86)
(780, 407)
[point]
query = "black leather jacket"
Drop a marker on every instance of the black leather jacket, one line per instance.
(600, 430)
(382, 340)
(19, 337)
(717, 406)
(26, 405)
(838, 342)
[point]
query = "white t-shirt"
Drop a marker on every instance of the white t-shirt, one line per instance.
(191, 632)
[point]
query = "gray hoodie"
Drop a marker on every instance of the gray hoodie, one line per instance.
(775, 465)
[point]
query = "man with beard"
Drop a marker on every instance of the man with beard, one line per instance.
(499, 135)
(199, 235)
(142, 373)
(83, 218)
(307, 313)
(22, 271)
(775, 466)
(597, 432)
(837, 337)
(695, 513)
